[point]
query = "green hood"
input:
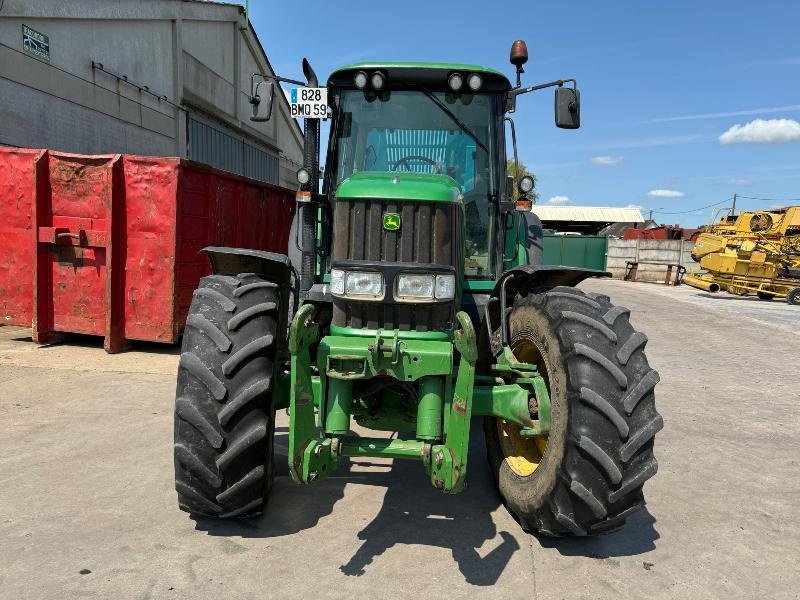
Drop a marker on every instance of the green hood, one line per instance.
(399, 185)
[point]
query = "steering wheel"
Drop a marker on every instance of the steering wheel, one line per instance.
(407, 159)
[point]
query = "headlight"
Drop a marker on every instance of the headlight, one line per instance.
(456, 80)
(526, 184)
(377, 80)
(474, 81)
(360, 80)
(415, 287)
(369, 285)
(445, 287)
(337, 282)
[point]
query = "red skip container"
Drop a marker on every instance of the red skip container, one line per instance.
(110, 245)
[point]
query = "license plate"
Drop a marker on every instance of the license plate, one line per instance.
(307, 102)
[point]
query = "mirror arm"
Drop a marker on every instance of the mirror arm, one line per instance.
(517, 91)
(264, 76)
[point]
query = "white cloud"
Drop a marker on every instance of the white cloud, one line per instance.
(634, 206)
(736, 181)
(761, 131)
(606, 161)
(559, 200)
(664, 194)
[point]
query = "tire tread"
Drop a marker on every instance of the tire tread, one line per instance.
(223, 408)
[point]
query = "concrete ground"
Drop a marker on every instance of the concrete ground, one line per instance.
(87, 506)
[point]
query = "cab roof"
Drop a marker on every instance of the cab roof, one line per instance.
(433, 74)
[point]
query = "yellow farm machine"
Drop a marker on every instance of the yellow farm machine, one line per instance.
(751, 253)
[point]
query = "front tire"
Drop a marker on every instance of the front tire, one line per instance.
(586, 476)
(224, 411)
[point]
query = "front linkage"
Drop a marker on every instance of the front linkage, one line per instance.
(320, 406)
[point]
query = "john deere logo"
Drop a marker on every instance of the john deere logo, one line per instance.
(391, 221)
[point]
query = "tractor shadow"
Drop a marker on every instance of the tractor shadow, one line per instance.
(637, 536)
(291, 508)
(412, 512)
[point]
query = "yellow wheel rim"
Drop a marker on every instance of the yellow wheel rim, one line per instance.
(523, 454)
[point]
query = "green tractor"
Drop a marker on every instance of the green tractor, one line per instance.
(412, 300)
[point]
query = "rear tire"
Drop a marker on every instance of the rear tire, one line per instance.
(224, 411)
(599, 451)
(765, 296)
(793, 297)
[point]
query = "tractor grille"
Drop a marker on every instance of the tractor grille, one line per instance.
(429, 233)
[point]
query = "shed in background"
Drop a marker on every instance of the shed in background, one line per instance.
(145, 77)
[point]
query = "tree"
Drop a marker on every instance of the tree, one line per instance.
(523, 170)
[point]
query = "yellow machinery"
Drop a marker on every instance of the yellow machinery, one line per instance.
(752, 252)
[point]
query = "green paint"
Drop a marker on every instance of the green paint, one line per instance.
(403, 359)
(527, 377)
(479, 285)
(584, 251)
(429, 409)
(282, 391)
(509, 402)
(443, 412)
(391, 221)
(303, 433)
(449, 461)
(338, 407)
(382, 447)
(338, 330)
(399, 186)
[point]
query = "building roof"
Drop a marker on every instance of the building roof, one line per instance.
(589, 214)
(589, 220)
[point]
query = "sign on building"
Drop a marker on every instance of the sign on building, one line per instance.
(35, 43)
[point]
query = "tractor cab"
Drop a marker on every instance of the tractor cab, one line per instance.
(436, 127)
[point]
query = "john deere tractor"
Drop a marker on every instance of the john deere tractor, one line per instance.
(413, 300)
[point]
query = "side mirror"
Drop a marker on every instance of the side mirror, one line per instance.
(568, 108)
(256, 101)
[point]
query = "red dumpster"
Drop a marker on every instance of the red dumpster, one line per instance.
(110, 245)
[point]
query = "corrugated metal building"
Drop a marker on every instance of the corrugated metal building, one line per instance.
(155, 77)
(585, 219)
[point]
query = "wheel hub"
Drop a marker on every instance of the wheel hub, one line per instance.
(523, 454)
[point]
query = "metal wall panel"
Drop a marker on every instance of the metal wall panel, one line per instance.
(585, 251)
(224, 149)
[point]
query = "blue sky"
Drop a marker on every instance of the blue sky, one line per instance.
(663, 88)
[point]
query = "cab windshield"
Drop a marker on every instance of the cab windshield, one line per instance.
(427, 132)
